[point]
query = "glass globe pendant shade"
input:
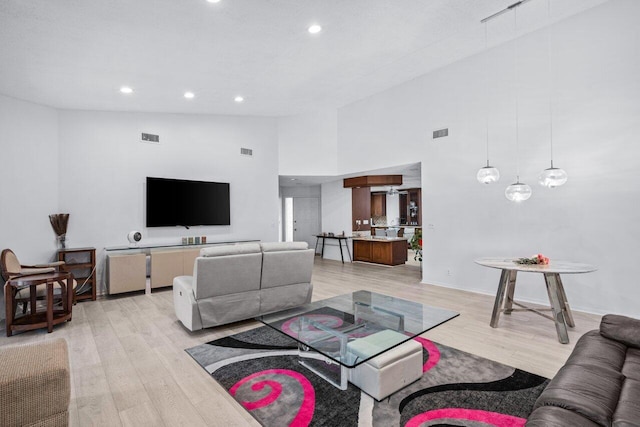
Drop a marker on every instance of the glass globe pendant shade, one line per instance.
(552, 177)
(517, 192)
(488, 175)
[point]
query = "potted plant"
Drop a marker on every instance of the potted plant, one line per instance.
(416, 244)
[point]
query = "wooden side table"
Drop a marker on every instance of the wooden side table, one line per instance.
(39, 319)
(82, 263)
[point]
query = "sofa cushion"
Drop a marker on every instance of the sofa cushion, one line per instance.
(590, 390)
(283, 246)
(631, 368)
(621, 328)
(224, 275)
(594, 349)
(283, 268)
(628, 411)
(553, 416)
(223, 250)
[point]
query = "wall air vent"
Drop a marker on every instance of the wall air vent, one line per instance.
(440, 133)
(246, 151)
(150, 138)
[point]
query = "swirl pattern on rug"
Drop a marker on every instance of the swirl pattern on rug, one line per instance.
(260, 370)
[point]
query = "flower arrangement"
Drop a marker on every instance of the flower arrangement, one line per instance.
(534, 260)
(416, 244)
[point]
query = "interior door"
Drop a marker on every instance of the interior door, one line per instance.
(306, 219)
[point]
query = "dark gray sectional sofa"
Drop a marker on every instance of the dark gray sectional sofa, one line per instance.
(600, 383)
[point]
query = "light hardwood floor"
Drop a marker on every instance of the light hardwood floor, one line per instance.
(129, 367)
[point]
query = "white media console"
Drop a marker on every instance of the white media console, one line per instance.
(127, 266)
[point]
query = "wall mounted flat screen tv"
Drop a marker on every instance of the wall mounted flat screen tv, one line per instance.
(172, 202)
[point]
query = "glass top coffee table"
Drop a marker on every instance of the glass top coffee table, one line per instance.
(340, 333)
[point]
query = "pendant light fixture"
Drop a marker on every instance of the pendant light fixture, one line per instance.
(517, 192)
(551, 177)
(487, 174)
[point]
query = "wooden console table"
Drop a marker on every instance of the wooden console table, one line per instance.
(560, 310)
(340, 239)
(127, 265)
(36, 319)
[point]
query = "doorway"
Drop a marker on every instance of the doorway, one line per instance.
(301, 219)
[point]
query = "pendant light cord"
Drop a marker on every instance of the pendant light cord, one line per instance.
(517, 89)
(486, 88)
(549, 36)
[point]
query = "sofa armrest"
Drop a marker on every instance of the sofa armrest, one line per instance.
(29, 271)
(49, 264)
(185, 304)
(621, 328)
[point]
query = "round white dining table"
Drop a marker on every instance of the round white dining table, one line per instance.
(560, 310)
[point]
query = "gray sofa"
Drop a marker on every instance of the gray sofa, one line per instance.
(238, 282)
(600, 383)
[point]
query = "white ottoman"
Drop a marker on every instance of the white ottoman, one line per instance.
(389, 372)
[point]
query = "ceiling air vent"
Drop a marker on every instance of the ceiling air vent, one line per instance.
(440, 133)
(246, 151)
(150, 138)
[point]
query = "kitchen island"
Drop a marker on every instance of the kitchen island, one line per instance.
(380, 250)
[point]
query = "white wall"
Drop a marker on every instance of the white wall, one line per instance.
(593, 218)
(336, 216)
(28, 179)
(393, 209)
(308, 144)
(102, 181)
(301, 191)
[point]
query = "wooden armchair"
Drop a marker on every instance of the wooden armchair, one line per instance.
(11, 268)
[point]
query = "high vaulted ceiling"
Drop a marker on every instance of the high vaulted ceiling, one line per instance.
(76, 54)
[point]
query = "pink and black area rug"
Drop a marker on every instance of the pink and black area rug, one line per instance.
(260, 369)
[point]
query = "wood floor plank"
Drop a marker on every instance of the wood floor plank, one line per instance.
(172, 405)
(142, 415)
(218, 412)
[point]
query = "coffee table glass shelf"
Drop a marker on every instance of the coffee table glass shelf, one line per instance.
(340, 333)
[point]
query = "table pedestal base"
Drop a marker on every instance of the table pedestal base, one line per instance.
(313, 361)
(560, 310)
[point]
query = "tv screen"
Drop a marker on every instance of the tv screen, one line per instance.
(172, 202)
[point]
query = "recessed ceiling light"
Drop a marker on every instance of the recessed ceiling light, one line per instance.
(213, 1)
(126, 89)
(293, 179)
(189, 95)
(238, 99)
(314, 29)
